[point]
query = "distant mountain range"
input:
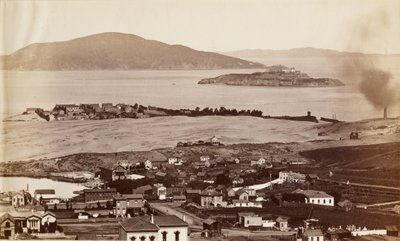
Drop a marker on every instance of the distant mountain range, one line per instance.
(117, 51)
(299, 53)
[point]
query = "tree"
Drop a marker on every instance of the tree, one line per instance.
(222, 179)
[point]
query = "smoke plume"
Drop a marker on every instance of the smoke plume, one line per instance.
(375, 82)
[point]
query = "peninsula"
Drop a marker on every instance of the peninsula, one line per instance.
(276, 75)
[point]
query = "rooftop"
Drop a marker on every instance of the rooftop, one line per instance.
(45, 191)
(100, 190)
(313, 193)
(313, 232)
(138, 224)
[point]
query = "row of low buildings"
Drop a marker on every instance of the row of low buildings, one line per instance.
(18, 222)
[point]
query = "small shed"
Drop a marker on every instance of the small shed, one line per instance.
(392, 230)
(211, 228)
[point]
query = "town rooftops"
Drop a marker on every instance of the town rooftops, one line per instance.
(128, 196)
(210, 193)
(391, 228)
(144, 224)
(239, 201)
(138, 224)
(193, 191)
(100, 190)
(313, 193)
(45, 191)
(142, 189)
(6, 216)
(168, 221)
(210, 221)
(241, 214)
(313, 232)
(280, 219)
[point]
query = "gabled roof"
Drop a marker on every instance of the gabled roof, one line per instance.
(313, 193)
(45, 191)
(136, 224)
(210, 193)
(129, 196)
(313, 232)
(48, 213)
(6, 216)
(209, 221)
(168, 221)
(100, 190)
(280, 219)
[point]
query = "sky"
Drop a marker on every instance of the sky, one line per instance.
(210, 25)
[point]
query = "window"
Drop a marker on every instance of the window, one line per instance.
(133, 238)
(164, 236)
(177, 235)
(330, 200)
(324, 200)
(152, 238)
(142, 238)
(7, 224)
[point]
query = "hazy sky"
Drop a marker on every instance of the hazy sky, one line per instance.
(213, 25)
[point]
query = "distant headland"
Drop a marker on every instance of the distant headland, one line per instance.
(117, 51)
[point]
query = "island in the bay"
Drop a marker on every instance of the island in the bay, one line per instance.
(276, 75)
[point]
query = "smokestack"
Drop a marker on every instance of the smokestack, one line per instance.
(152, 219)
(385, 113)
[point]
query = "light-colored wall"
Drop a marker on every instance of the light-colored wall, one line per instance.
(320, 201)
(183, 234)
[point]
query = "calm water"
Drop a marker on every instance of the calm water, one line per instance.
(179, 89)
(62, 189)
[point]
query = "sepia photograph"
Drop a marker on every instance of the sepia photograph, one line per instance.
(200, 120)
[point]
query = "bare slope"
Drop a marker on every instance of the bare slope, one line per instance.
(116, 51)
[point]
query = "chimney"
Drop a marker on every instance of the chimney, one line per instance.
(308, 113)
(152, 218)
(385, 113)
(184, 217)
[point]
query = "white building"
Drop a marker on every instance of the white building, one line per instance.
(317, 197)
(160, 191)
(172, 160)
(148, 165)
(313, 235)
(289, 176)
(154, 228)
(46, 195)
(18, 199)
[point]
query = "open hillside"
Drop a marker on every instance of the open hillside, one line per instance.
(117, 51)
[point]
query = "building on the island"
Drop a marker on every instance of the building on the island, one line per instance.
(282, 224)
(214, 141)
(313, 235)
(153, 228)
(95, 195)
(211, 228)
(129, 205)
(67, 108)
(119, 173)
(211, 198)
(46, 195)
(160, 191)
(7, 226)
(317, 197)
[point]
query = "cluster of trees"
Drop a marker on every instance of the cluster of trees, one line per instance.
(222, 111)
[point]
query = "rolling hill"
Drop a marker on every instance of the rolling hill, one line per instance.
(299, 53)
(117, 51)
